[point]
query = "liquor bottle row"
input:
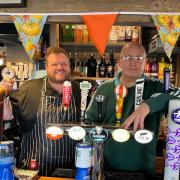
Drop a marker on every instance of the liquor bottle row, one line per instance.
(105, 66)
(155, 68)
(80, 34)
(89, 66)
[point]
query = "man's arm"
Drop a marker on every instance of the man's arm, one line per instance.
(6, 86)
(7, 110)
(157, 102)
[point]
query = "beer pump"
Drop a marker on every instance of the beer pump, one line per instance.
(98, 133)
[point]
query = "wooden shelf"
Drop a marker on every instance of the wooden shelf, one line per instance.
(89, 47)
(89, 44)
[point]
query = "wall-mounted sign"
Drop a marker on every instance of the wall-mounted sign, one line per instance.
(12, 3)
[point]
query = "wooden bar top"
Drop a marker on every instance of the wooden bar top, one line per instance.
(54, 178)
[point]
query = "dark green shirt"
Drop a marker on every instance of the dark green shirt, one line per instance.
(131, 155)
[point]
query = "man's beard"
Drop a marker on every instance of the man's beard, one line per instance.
(53, 80)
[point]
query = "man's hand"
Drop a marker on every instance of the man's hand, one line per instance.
(137, 117)
(7, 84)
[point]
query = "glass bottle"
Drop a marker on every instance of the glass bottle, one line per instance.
(72, 62)
(91, 64)
(147, 69)
(172, 71)
(161, 66)
(68, 33)
(110, 66)
(154, 69)
(135, 34)
(44, 46)
(77, 65)
(128, 33)
(84, 66)
(38, 50)
(102, 67)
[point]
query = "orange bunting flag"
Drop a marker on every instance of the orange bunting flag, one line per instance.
(99, 27)
(29, 28)
(168, 27)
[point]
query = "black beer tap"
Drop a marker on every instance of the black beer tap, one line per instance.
(100, 99)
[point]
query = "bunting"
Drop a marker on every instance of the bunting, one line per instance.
(168, 27)
(99, 27)
(29, 28)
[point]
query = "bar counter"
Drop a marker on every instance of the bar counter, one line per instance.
(54, 178)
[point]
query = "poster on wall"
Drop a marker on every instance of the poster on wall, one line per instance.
(12, 3)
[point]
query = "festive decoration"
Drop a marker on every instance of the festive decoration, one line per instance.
(99, 27)
(29, 28)
(168, 27)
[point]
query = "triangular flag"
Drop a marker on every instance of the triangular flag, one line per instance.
(168, 27)
(99, 27)
(29, 28)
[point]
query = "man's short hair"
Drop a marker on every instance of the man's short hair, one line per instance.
(131, 45)
(56, 50)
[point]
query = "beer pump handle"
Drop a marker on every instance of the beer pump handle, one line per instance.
(99, 99)
(99, 104)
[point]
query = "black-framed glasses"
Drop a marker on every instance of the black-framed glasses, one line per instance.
(133, 58)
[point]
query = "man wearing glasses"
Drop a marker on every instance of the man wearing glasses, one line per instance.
(131, 156)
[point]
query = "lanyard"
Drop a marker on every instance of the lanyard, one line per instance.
(121, 93)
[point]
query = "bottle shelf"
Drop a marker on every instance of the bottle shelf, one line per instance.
(90, 47)
(89, 44)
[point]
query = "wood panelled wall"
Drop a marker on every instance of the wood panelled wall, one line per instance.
(70, 6)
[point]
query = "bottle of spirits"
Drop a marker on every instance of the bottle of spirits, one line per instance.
(102, 67)
(38, 50)
(44, 46)
(78, 33)
(72, 62)
(128, 33)
(84, 66)
(68, 33)
(110, 66)
(161, 67)
(121, 34)
(172, 71)
(154, 69)
(85, 34)
(113, 36)
(135, 34)
(91, 64)
(77, 65)
(147, 69)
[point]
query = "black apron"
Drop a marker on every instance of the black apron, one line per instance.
(49, 154)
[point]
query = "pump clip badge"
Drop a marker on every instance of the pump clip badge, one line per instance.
(98, 134)
(175, 116)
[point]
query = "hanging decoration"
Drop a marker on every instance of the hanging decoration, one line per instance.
(168, 27)
(99, 27)
(29, 28)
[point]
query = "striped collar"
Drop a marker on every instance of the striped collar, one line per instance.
(117, 78)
